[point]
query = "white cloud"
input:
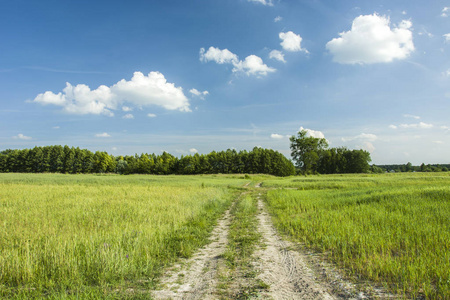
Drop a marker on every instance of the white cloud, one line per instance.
(445, 12)
(276, 136)
(447, 37)
(20, 136)
(276, 54)
(420, 125)
(404, 12)
(392, 126)
(151, 115)
(371, 40)
(263, 2)
(151, 90)
(126, 108)
(411, 116)
(224, 56)
(438, 142)
(291, 41)
(140, 90)
(199, 94)
(425, 32)
(128, 116)
(102, 135)
(363, 136)
(252, 65)
(193, 150)
(277, 19)
(313, 133)
(55, 127)
(368, 147)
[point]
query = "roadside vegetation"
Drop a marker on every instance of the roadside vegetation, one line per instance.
(393, 229)
(238, 278)
(87, 236)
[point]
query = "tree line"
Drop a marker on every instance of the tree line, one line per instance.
(408, 167)
(312, 156)
(71, 160)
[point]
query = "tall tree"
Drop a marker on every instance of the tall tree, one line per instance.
(305, 151)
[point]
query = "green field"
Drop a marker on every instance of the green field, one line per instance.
(90, 236)
(97, 236)
(392, 229)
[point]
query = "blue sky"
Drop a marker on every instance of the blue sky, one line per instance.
(203, 75)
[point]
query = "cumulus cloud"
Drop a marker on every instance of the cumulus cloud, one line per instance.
(392, 126)
(263, 2)
(411, 116)
(420, 125)
(313, 133)
(20, 136)
(445, 12)
(276, 136)
(199, 94)
(371, 40)
(291, 42)
(252, 65)
(278, 55)
(224, 56)
(128, 116)
(447, 37)
(102, 135)
(193, 150)
(363, 136)
(126, 108)
(368, 147)
(151, 115)
(277, 19)
(141, 90)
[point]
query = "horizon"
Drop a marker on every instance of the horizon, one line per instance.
(202, 76)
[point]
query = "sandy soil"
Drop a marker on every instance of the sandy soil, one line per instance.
(288, 273)
(282, 269)
(196, 278)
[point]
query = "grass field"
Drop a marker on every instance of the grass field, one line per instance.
(99, 236)
(87, 236)
(392, 229)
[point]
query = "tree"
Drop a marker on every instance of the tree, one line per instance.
(305, 151)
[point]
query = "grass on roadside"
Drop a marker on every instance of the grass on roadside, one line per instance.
(91, 237)
(238, 281)
(390, 229)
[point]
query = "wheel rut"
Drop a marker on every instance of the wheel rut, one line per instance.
(282, 269)
(280, 272)
(195, 278)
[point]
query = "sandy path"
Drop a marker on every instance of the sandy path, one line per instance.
(282, 269)
(196, 277)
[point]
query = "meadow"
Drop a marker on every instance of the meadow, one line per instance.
(93, 236)
(105, 236)
(393, 229)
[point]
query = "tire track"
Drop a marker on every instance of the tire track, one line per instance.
(196, 277)
(282, 269)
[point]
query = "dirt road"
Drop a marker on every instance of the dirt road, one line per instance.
(285, 273)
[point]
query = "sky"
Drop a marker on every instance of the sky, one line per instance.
(195, 76)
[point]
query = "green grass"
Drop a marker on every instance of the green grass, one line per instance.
(88, 236)
(391, 229)
(243, 237)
